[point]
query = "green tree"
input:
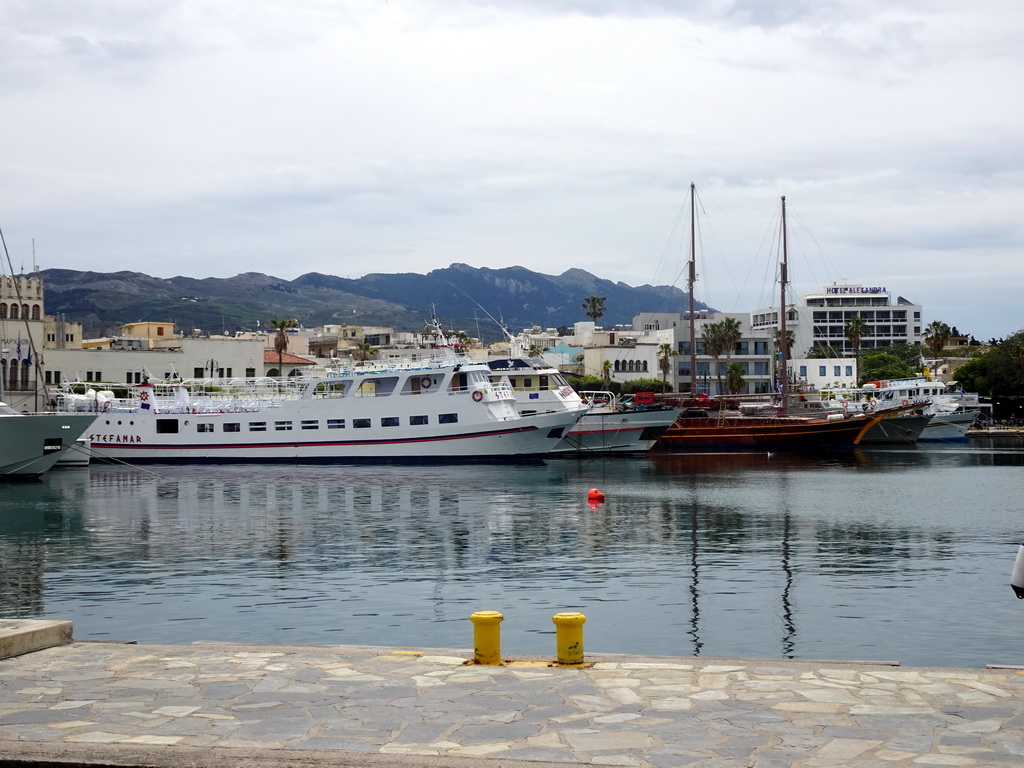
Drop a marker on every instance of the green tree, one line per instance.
(790, 341)
(363, 352)
(734, 378)
(282, 326)
(714, 346)
(936, 336)
(855, 331)
(665, 355)
(884, 365)
(640, 385)
(594, 306)
(998, 373)
(731, 332)
(606, 373)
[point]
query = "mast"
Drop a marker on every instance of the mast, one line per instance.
(783, 347)
(690, 280)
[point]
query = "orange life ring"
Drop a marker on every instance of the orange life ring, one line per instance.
(906, 402)
(478, 395)
(425, 382)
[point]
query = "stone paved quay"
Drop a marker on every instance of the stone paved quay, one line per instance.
(211, 704)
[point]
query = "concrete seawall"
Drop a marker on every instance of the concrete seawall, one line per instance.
(217, 704)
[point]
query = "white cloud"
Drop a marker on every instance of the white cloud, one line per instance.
(210, 137)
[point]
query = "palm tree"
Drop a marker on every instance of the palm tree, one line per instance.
(595, 307)
(606, 373)
(936, 336)
(731, 335)
(363, 352)
(282, 327)
(665, 355)
(734, 378)
(856, 330)
(714, 346)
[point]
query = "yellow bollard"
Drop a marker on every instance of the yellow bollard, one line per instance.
(569, 637)
(486, 637)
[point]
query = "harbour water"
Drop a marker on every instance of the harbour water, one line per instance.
(901, 554)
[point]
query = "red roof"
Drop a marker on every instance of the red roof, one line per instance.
(270, 358)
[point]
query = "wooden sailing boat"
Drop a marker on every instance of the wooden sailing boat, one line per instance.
(707, 424)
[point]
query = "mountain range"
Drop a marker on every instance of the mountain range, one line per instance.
(463, 297)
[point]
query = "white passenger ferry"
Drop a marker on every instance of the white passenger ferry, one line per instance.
(442, 409)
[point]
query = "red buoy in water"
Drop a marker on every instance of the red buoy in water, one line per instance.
(595, 495)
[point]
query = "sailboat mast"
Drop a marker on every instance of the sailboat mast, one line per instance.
(783, 347)
(690, 280)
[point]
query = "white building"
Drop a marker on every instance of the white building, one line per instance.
(820, 319)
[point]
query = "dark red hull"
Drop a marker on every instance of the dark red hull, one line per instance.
(746, 432)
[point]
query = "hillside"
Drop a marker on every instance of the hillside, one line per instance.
(463, 296)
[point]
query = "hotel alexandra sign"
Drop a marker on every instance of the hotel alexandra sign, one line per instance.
(854, 290)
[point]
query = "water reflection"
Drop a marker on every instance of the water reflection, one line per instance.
(832, 556)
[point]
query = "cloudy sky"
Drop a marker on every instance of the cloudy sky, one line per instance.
(212, 137)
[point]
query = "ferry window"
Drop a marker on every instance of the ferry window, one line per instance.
(527, 382)
(361, 423)
(235, 427)
(459, 382)
(418, 420)
(204, 427)
(257, 426)
(310, 424)
(542, 382)
(283, 426)
(447, 418)
(390, 421)
(167, 426)
(335, 423)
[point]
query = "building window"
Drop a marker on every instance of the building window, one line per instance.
(250, 373)
(35, 311)
(821, 370)
(836, 369)
(849, 371)
(197, 373)
(159, 330)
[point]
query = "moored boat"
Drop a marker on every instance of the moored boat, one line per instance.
(715, 424)
(611, 423)
(31, 443)
(442, 408)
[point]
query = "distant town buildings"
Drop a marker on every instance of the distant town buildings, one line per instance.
(621, 353)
